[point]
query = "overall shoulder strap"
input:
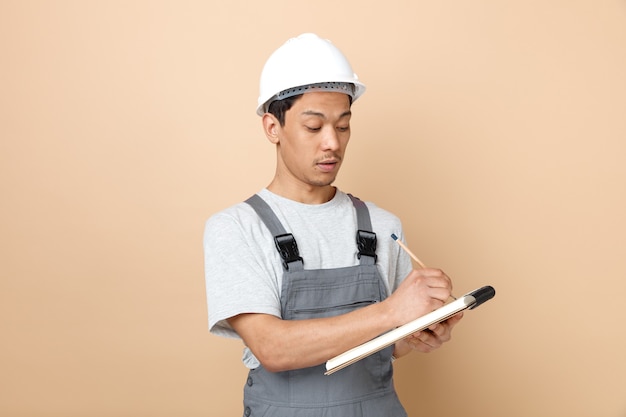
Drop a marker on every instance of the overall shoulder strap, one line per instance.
(267, 215)
(365, 237)
(285, 242)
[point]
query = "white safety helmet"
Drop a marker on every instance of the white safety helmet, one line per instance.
(304, 64)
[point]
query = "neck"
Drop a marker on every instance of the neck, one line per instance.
(308, 195)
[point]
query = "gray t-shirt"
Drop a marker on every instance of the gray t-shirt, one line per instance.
(244, 271)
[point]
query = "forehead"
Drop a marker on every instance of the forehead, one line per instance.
(324, 104)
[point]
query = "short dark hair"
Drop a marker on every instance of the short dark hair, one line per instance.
(280, 107)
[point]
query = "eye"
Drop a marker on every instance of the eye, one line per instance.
(312, 128)
(343, 128)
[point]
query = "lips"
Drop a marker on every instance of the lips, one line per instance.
(327, 166)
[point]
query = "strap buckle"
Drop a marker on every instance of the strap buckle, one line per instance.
(288, 249)
(366, 243)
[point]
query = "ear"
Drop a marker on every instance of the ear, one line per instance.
(271, 127)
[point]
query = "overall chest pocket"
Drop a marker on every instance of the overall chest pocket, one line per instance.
(327, 293)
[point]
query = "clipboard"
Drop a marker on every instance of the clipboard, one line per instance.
(468, 301)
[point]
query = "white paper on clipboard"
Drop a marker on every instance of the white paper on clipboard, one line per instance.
(468, 301)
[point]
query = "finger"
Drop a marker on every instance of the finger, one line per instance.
(443, 332)
(426, 342)
(435, 327)
(435, 278)
(455, 319)
(440, 293)
(431, 272)
(449, 323)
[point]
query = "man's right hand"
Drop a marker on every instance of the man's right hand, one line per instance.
(422, 291)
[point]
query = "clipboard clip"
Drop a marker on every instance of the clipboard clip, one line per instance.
(481, 295)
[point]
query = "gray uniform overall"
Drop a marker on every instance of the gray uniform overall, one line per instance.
(363, 389)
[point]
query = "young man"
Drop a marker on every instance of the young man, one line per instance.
(302, 271)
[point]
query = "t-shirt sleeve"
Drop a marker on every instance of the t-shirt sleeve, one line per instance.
(404, 265)
(395, 263)
(238, 278)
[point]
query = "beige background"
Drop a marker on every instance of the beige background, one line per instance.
(495, 129)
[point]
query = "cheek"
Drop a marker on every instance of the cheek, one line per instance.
(294, 155)
(344, 142)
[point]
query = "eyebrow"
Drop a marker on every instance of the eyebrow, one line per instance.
(322, 115)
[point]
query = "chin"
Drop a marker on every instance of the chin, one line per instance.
(324, 182)
(321, 183)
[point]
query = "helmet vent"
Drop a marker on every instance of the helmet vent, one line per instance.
(339, 87)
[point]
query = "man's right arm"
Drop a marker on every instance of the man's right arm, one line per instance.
(292, 344)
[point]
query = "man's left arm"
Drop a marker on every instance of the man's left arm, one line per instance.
(426, 341)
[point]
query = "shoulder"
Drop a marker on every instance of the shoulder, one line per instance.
(384, 222)
(237, 216)
(377, 211)
(235, 228)
(381, 217)
(233, 214)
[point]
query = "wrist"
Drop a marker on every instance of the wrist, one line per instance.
(388, 314)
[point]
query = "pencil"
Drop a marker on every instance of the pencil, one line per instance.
(407, 250)
(411, 254)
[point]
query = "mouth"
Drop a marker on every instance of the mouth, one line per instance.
(328, 165)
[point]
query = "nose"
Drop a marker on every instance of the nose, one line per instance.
(330, 140)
